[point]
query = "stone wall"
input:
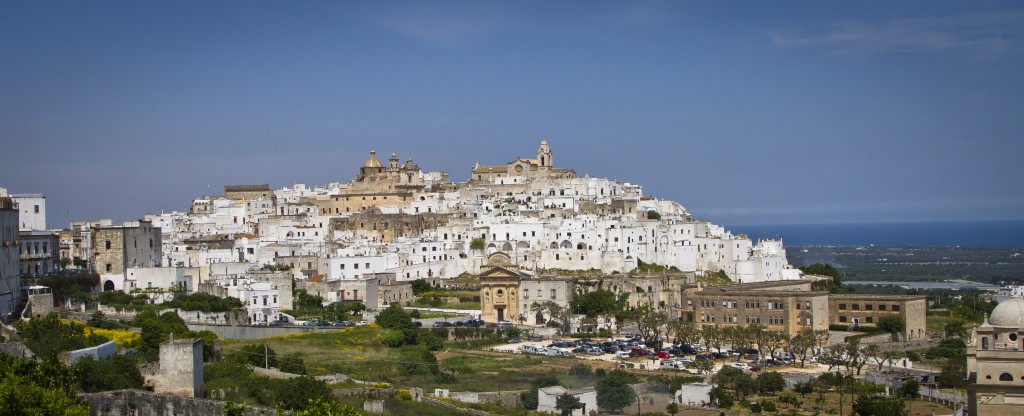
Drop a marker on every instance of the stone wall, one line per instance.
(508, 398)
(16, 349)
(368, 392)
(106, 350)
(144, 403)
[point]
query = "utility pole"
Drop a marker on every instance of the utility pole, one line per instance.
(266, 357)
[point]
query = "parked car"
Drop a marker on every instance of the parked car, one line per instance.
(503, 324)
(663, 355)
(623, 355)
(513, 340)
(741, 366)
(534, 338)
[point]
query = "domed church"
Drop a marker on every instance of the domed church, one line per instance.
(995, 362)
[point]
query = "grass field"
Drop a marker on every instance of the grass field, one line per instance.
(357, 352)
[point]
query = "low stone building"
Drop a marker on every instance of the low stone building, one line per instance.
(866, 310)
(390, 290)
(547, 399)
(785, 307)
(180, 369)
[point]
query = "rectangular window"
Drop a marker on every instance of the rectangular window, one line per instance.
(870, 319)
(856, 306)
(842, 306)
(842, 319)
(343, 267)
(868, 307)
(895, 308)
(553, 293)
(881, 307)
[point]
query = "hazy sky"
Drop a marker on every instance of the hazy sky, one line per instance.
(745, 113)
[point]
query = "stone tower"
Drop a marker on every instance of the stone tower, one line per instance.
(544, 155)
(181, 368)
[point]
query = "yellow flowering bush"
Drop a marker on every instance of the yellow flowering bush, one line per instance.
(123, 338)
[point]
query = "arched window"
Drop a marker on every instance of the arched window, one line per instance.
(1005, 377)
(984, 343)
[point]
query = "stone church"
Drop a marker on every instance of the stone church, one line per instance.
(995, 363)
(541, 167)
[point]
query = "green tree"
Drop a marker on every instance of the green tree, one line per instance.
(418, 359)
(738, 381)
(911, 389)
(234, 409)
(529, 397)
(477, 244)
(394, 317)
(303, 300)
(258, 355)
(653, 215)
(804, 388)
(702, 366)
(321, 407)
(893, 324)
(770, 382)
(723, 397)
(879, 406)
(30, 387)
(801, 345)
(954, 373)
(594, 304)
(421, 286)
(203, 302)
(614, 392)
(299, 392)
(955, 328)
(118, 373)
(566, 403)
(648, 322)
(672, 408)
(48, 336)
(826, 270)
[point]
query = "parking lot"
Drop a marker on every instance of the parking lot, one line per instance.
(630, 353)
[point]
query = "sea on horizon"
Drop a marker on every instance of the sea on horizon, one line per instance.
(1003, 233)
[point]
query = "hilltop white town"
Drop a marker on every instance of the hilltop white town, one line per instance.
(523, 259)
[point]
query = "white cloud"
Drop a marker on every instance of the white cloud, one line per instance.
(980, 33)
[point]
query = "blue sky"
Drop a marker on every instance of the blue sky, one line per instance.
(744, 112)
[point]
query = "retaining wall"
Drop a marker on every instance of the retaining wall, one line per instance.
(144, 403)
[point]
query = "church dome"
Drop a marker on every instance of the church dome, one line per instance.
(372, 162)
(1009, 313)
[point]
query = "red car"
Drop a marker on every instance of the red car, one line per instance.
(755, 368)
(663, 355)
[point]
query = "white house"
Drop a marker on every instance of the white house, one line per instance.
(547, 399)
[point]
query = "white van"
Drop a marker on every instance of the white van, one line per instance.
(534, 349)
(558, 352)
(670, 365)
